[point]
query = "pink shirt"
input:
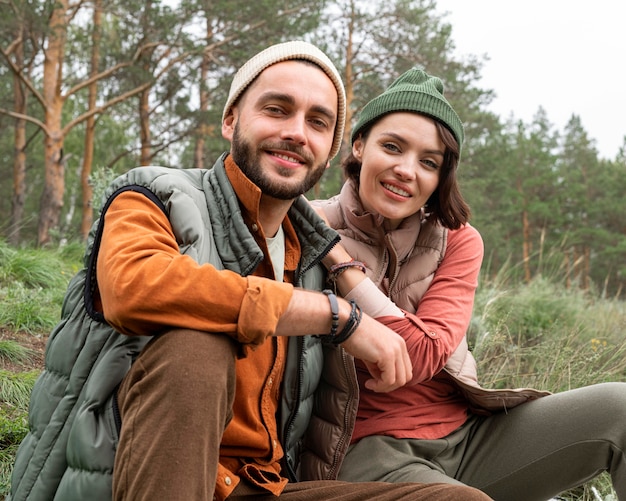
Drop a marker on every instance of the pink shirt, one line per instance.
(430, 406)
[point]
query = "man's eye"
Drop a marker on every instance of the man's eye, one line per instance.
(322, 124)
(274, 109)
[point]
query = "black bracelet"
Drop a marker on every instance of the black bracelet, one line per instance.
(356, 314)
(334, 309)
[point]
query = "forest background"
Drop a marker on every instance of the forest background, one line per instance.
(90, 89)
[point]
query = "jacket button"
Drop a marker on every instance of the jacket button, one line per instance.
(254, 227)
(227, 480)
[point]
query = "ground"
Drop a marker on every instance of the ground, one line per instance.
(35, 343)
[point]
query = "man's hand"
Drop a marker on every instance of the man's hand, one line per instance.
(384, 354)
(381, 349)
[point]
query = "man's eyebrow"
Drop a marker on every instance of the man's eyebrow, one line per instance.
(289, 99)
(327, 112)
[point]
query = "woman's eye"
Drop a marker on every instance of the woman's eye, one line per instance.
(391, 147)
(431, 164)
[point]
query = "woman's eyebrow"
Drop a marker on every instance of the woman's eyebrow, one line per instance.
(401, 139)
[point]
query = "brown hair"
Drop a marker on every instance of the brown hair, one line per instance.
(446, 203)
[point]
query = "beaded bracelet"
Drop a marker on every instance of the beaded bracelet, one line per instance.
(337, 269)
(356, 314)
(334, 309)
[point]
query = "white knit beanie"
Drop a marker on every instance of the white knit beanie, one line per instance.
(284, 52)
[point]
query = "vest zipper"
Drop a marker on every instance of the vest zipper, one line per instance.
(117, 417)
(288, 428)
(393, 265)
(348, 366)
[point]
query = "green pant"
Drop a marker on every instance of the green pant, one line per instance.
(532, 452)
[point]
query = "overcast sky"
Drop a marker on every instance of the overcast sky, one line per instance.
(568, 56)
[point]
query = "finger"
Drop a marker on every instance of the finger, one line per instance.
(383, 379)
(378, 386)
(405, 366)
(375, 383)
(408, 366)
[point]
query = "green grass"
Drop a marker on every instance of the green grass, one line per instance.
(32, 285)
(15, 391)
(545, 335)
(542, 334)
(13, 351)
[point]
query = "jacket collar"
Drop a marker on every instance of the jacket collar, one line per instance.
(372, 227)
(303, 223)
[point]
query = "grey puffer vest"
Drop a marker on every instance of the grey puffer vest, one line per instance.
(69, 452)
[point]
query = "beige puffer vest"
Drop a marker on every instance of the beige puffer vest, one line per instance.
(415, 259)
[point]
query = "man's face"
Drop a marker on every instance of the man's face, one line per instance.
(282, 128)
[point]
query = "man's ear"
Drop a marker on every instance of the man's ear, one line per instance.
(228, 125)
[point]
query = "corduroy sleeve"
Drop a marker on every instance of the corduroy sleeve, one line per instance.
(148, 287)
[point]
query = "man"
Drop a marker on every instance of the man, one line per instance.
(216, 385)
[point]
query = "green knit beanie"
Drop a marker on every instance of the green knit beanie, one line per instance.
(414, 91)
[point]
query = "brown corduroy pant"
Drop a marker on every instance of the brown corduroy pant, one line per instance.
(175, 403)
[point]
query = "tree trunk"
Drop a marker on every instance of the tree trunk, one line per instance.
(586, 267)
(346, 146)
(54, 189)
(144, 128)
(568, 269)
(54, 178)
(19, 158)
(198, 154)
(87, 190)
(526, 245)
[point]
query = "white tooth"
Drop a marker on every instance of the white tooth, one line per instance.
(397, 190)
(285, 157)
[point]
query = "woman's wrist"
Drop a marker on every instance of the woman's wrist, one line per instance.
(336, 255)
(337, 269)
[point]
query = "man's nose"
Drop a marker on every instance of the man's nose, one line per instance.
(294, 129)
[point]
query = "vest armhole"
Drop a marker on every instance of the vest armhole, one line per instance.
(91, 283)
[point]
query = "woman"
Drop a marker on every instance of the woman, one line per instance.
(409, 257)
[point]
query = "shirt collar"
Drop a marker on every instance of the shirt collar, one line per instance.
(248, 193)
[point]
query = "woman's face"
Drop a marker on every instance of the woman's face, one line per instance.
(400, 163)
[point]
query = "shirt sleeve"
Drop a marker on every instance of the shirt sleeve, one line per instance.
(445, 311)
(373, 301)
(147, 287)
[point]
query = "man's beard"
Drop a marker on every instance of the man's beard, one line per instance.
(249, 162)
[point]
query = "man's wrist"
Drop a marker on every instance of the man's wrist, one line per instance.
(351, 324)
